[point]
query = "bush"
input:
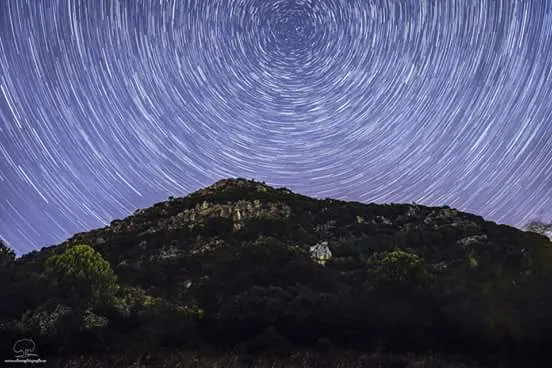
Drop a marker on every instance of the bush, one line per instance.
(399, 266)
(44, 321)
(217, 226)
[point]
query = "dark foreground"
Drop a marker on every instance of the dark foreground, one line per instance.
(334, 359)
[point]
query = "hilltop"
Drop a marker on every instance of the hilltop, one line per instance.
(242, 265)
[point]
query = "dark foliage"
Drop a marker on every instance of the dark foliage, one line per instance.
(230, 266)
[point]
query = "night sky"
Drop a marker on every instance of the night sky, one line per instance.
(110, 106)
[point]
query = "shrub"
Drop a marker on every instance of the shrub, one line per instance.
(399, 266)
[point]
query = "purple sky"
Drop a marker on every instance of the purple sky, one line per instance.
(108, 108)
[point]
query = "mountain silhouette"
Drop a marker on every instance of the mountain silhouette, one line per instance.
(243, 265)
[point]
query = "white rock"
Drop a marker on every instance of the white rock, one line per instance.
(321, 252)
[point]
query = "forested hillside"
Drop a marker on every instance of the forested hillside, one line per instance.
(241, 266)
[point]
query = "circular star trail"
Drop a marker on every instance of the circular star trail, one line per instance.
(110, 106)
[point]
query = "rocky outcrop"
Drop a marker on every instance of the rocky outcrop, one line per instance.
(471, 240)
(321, 253)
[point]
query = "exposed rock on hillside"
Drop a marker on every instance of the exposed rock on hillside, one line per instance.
(242, 263)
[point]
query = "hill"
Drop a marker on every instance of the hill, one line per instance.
(242, 265)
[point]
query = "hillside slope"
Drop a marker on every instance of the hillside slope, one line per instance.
(242, 264)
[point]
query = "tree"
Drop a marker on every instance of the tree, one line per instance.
(7, 268)
(539, 227)
(7, 255)
(83, 276)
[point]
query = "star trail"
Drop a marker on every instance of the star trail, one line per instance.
(110, 106)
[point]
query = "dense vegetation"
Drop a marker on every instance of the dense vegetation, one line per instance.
(230, 267)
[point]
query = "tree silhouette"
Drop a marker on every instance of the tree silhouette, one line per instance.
(539, 227)
(6, 254)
